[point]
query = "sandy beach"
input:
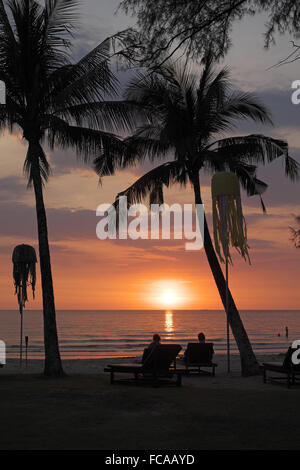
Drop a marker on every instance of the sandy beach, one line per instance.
(96, 366)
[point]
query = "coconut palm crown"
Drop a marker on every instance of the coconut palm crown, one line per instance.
(187, 119)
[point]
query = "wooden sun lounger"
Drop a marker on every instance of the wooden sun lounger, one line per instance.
(197, 356)
(287, 368)
(155, 368)
(290, 373)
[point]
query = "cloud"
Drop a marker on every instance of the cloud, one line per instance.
(12, 188)
(284, 113)
(65, 161)
(19, 220)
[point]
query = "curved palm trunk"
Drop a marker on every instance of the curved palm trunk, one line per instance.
(53, 365)
(249, 363)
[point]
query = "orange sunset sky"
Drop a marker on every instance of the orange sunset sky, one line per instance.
(93, 274)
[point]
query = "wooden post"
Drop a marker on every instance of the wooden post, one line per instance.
(26, 350)
(21, 332)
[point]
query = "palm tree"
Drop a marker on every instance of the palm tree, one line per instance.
(54, 101)
(186, 117)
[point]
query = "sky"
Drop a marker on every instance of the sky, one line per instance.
(125, 274)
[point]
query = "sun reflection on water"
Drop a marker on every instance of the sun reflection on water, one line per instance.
(169, 324)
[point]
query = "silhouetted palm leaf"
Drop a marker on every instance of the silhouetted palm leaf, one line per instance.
(152, 183)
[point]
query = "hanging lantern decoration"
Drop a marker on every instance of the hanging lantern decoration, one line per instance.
(229, 228)
(228, 220)
(24, 261)
(24, 273)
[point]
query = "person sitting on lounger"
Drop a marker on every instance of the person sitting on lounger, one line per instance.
(155, 342)
(201, 338)
(151, 348)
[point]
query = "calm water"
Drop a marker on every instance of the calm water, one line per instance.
(92, 334)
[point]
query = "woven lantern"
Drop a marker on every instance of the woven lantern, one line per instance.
(24, 273)
(228, 220)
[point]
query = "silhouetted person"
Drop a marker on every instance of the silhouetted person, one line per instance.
(201, 337)
(151, 348)
(155, 342)
(286, 332)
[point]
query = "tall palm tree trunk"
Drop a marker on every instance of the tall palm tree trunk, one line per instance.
(53, 365)
(249, 362)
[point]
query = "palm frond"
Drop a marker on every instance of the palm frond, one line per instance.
(210, 79)
(154, 91)
(107, 115)
(36, 152)
(88, 80)
(86, 142)
(149, 141)
(215, 161)
(245, 106)
(292, 168)
(213, 87)
(151, 184)
(255, 148)
(247, 177)
(259, 149)
(146, 143)
(6, 31)
(60, 18)
(10, 114)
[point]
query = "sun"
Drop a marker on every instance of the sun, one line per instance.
(168, 293)
(169, 298)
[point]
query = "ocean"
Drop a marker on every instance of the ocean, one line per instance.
(111, 333)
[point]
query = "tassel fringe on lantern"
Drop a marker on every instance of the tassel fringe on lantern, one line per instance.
(229, 223)
(24, 273)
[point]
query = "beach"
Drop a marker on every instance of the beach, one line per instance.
(83, 411)
(96, 366)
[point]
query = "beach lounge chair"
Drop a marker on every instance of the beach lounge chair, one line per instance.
(198, 355)
(155, 367)
(290, 371)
